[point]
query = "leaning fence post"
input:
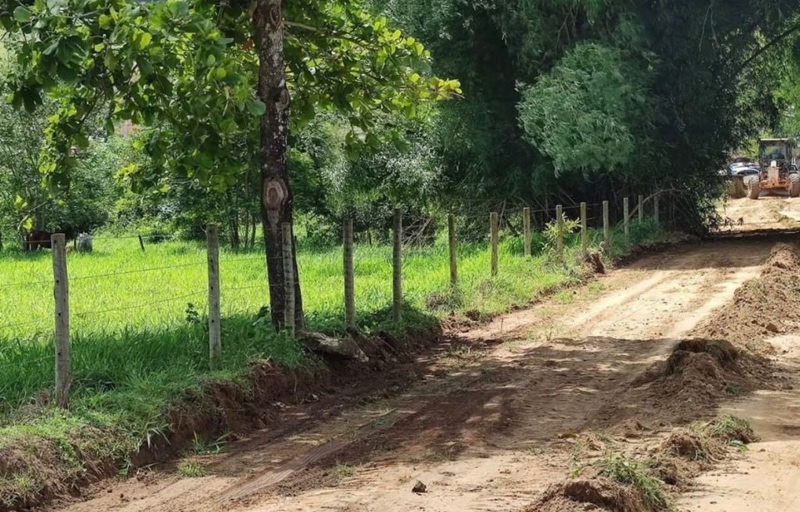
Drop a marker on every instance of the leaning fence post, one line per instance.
(584, 230)
(141, 242)
(626, 222)
(61, 295)
(214, 316)
(606, 228)
(560, 229)
(397, 267)
(349, 276)
(641, 209)
(288, 278)
(655, 207)
(526, 226)
(451, 237)
(495, 234)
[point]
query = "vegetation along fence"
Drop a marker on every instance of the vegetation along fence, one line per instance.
(212, 296)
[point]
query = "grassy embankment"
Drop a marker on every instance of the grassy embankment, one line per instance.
(139, 339)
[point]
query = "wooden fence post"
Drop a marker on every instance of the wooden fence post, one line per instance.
(560, 231)
(288, 278)
(584, 230)
(606, 228)
(141, 242)
(451, 236)
(61, 295)
(349, 276)
(655, 207)
(626, 214)
(214, 316)
(493, 222)
(641, 208)
(526, 226)
(397, 267)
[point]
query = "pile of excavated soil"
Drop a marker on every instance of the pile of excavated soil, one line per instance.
(687, 386)
(699, 373)
(762, 307)
(585, 495)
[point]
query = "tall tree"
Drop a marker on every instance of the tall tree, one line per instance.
(187, 69)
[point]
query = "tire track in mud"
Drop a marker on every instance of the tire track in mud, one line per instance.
(486, 433)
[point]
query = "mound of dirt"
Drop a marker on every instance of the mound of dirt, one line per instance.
(686, 387)
(588, 495)
(762, 307)
(699, 373)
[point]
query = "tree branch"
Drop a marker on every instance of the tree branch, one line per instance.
(768, 46)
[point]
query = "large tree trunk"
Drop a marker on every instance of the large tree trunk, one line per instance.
(276, 197)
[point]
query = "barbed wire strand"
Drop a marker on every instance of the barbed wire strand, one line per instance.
(20, 324)
(138, 271)
(263, 286)
(138, 306)
(25, 283)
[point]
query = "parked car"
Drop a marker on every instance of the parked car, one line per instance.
(743, 167)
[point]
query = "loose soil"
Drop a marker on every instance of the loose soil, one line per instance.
(500, 414)
(771, 212)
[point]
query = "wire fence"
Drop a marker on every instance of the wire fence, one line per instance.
(167, 284)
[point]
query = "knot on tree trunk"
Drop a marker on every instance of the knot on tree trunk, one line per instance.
(275, 196)
(275, 16)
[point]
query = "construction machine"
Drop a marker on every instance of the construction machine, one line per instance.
(778, 169)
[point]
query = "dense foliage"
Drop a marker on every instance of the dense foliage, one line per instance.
(591, 99)
(563, 101)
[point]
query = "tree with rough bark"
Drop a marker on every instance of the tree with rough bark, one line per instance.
(200, 75)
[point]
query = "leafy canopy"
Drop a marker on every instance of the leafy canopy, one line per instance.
(188, 70)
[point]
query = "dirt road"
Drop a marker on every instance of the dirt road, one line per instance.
(768, 213)
(492, 420)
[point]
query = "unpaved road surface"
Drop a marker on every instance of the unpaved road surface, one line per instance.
(768, 213)
(491, 421)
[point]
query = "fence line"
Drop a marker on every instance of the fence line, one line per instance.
(214, 262)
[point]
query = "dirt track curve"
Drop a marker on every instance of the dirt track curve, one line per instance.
(491, 421)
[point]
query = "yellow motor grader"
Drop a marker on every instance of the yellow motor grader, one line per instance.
(778, 169)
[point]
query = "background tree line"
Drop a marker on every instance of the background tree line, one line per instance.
(551, 101)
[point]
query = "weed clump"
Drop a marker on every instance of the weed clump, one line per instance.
(639, 476)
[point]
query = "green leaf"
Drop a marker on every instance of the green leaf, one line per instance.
(22, 14)
(99, 47)
(256, 107)
(144, 40)
(104, 21)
